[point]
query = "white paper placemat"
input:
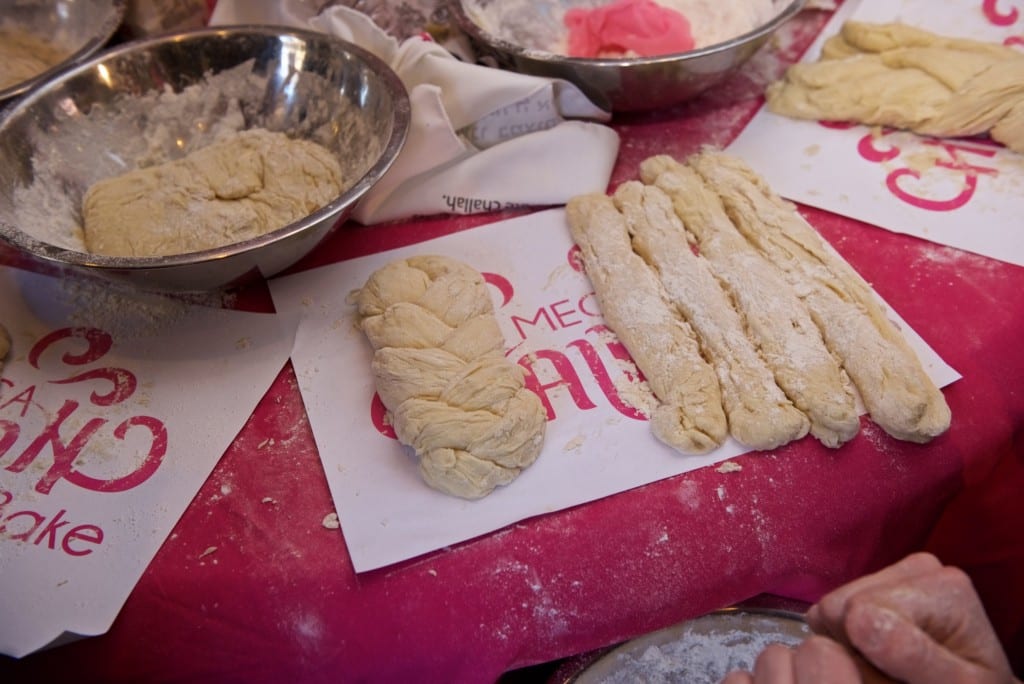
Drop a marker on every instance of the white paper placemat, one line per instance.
(113, 413)
(967, 194)
(596, 443)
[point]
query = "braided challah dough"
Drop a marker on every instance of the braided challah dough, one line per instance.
(440, 369)
(899, 76)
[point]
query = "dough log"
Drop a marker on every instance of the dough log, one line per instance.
(689, 416)
(899, 76)
(440, 369)
(898, 394)
(759, 414)
(776, 320)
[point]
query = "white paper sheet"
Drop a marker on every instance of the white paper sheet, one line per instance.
(967, 194)
(112, 415)
(548, 313)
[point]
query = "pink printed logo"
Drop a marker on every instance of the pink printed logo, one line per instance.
(66, 435)
(959, 158)
(1003, 13)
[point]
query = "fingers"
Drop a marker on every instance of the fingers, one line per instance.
(826, 617)
(936, 631)
(775, 665)
(818, 660)
(917, 621)
(900, 648)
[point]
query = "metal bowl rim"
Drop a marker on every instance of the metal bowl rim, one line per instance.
(395, 142)
(479, 33)
(91, 47)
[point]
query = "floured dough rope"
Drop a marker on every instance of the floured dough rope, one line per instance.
(898, 394)
(689, 416)
(899, 76)
(780, 326)
(760, 415)
(440, 369)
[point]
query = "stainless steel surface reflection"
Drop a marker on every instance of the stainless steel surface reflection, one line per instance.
(79, 28)
(83, 122)
(626, 84)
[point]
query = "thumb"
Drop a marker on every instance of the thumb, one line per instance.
(903, 651)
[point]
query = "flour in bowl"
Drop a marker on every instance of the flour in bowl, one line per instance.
(238, 188)
(540, 24)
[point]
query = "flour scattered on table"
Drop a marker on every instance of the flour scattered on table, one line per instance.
(729, 467)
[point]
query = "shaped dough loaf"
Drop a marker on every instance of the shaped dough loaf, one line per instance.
(895, 75)
(689, 416)
(235, 189)
(777, 321)
(760, 415)
(898, 394)
(440, 369)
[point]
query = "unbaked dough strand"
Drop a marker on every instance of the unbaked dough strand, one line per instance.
(759, 413)
(775, 318)
(440, 370)
(898, 394)
(689, 416)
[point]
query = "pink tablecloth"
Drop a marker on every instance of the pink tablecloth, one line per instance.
(278, 599)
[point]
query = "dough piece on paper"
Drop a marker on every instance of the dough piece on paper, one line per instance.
(899, 76)
(440, 369)
(759, 413)
(689, 416)
(776, 319)
(235, 189)
(898, 394)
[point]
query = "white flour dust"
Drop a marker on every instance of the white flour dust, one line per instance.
(703, 656)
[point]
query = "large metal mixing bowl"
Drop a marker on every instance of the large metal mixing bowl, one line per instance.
(622, 84)
(158, 99)
(76, 28)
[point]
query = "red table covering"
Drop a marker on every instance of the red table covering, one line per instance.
(278, 600)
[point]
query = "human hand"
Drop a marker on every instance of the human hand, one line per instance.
(917, 621)
(817, 660)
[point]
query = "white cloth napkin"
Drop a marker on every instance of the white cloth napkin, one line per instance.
(481, 139)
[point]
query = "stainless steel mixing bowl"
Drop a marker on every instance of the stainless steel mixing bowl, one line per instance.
(157, 99)
(624, 84)
(77, 28)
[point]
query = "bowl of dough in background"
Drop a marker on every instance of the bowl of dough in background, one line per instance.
(166, 162)
(530, 36)
(38, 38)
